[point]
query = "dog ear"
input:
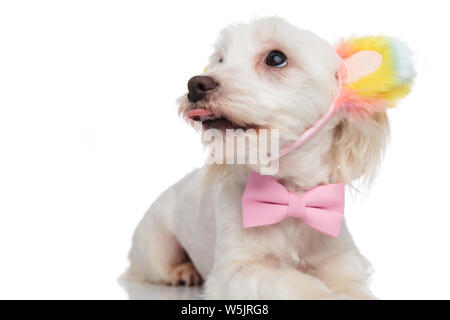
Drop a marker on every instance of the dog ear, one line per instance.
(378, 72)
(358, 147)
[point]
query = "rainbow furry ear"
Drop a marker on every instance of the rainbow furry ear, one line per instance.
(377, 72)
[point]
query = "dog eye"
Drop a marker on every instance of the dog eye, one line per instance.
(276, 59)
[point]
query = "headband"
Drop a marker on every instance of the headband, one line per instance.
(375, 73)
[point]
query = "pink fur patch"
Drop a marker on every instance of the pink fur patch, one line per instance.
(361, 64)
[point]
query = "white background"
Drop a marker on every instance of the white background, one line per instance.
(89, 136)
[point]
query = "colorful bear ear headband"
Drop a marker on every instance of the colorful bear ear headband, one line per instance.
(375, 73)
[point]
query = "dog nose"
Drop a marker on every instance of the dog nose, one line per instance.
(198, 86)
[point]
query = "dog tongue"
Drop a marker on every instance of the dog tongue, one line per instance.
(199, 113)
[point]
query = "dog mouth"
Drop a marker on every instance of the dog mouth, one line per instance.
(210, 120)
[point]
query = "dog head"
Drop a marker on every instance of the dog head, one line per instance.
(271, 75)
(258, 77)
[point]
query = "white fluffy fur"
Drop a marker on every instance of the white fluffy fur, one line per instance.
(189, 231)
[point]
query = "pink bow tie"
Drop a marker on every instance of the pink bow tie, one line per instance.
(265, 201)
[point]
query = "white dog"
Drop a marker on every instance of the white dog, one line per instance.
(266, 74)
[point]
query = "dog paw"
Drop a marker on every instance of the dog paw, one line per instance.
(185, 274)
